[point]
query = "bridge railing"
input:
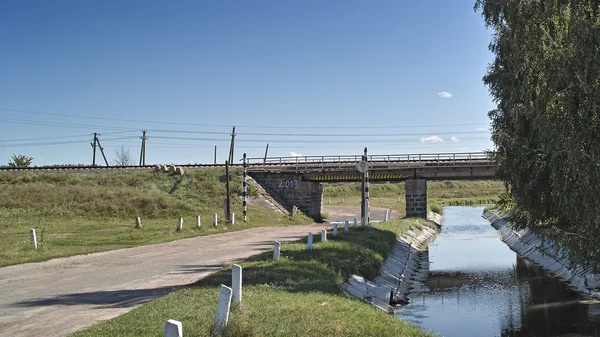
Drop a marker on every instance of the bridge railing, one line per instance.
(340, 161)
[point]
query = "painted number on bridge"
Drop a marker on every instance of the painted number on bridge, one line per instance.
(290, 183)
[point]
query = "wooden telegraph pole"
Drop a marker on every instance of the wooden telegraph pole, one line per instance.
(266, 153)
(232, 147)
(94, 147)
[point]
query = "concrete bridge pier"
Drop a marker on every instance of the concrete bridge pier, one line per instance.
(289, 190)
(416, 198)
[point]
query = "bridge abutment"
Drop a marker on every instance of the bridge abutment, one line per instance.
(290, 190)
(416, 197)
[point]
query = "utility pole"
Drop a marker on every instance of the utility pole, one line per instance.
(94, 147)
(228, 200)
(232, 147)
(143, 151)
(266, 153)
(215, 155)
(102, 151)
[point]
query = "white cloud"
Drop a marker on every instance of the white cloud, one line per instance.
(432, 139)
(454, 139)
(294, 154)
(445, 94)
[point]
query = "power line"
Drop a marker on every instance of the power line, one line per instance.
(248, 126)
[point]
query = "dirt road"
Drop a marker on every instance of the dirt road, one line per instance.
(61, 296)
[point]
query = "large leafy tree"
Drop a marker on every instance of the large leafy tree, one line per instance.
(545, 80)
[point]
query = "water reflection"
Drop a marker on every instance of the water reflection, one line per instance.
(478, 287)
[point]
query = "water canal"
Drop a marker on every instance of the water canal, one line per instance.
(478, 287)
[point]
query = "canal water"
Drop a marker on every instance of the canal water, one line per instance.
(478, 287)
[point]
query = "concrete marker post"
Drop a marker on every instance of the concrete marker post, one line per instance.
(390, 214)
(223, 306)
(236, 284)
(138, 222)
(294, 210)
(233, 218)
(346, 226)
(335, 229)
(323, 235)
(180, 225)
(310, 241)
(398, 199)
(276, 250)
(198, 221)
(343, 200)
(355, 223)
(33, 238)
(329, 200)
(385, 215)
(173, 328)
(215, 222)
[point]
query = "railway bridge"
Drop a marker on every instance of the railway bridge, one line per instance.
(296, 181)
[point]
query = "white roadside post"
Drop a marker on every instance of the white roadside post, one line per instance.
(33, 238)
(198, 221)
(335, 230)
(355, 223)
(215, 220)
(385, 215)
(310, 241)
(398, 199)
(342, 200)
(222, 316)
(323, 235)
(276, 250)
(236, 284)
(390, 213)
(346, 226)
(233, 218)
(294, 210)
(138, 222)
(180, 225)
(329, 200)
(173, 328)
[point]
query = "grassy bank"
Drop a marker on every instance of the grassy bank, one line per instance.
(298, 295)
(439, 193)
(83, 213)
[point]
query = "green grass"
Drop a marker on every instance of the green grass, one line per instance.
(84, 213)
(298, 295)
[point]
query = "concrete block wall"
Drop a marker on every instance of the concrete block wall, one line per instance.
(416, 198)
(290, 190)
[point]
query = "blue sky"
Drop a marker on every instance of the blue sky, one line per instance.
(355, 73)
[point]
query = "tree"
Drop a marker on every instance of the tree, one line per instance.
(20, 161)
(545, 80)
(122, 157)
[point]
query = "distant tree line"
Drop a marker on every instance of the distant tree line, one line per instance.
(545, 80)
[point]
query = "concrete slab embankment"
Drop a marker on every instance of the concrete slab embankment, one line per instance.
(407, 263)
(544, 253)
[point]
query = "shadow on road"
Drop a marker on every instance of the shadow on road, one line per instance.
(105, 299)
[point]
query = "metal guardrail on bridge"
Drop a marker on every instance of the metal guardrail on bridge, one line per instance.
(299, 163)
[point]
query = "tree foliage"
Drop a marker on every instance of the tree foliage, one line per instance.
(123, 157)
(20, 161)
(545, 80)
